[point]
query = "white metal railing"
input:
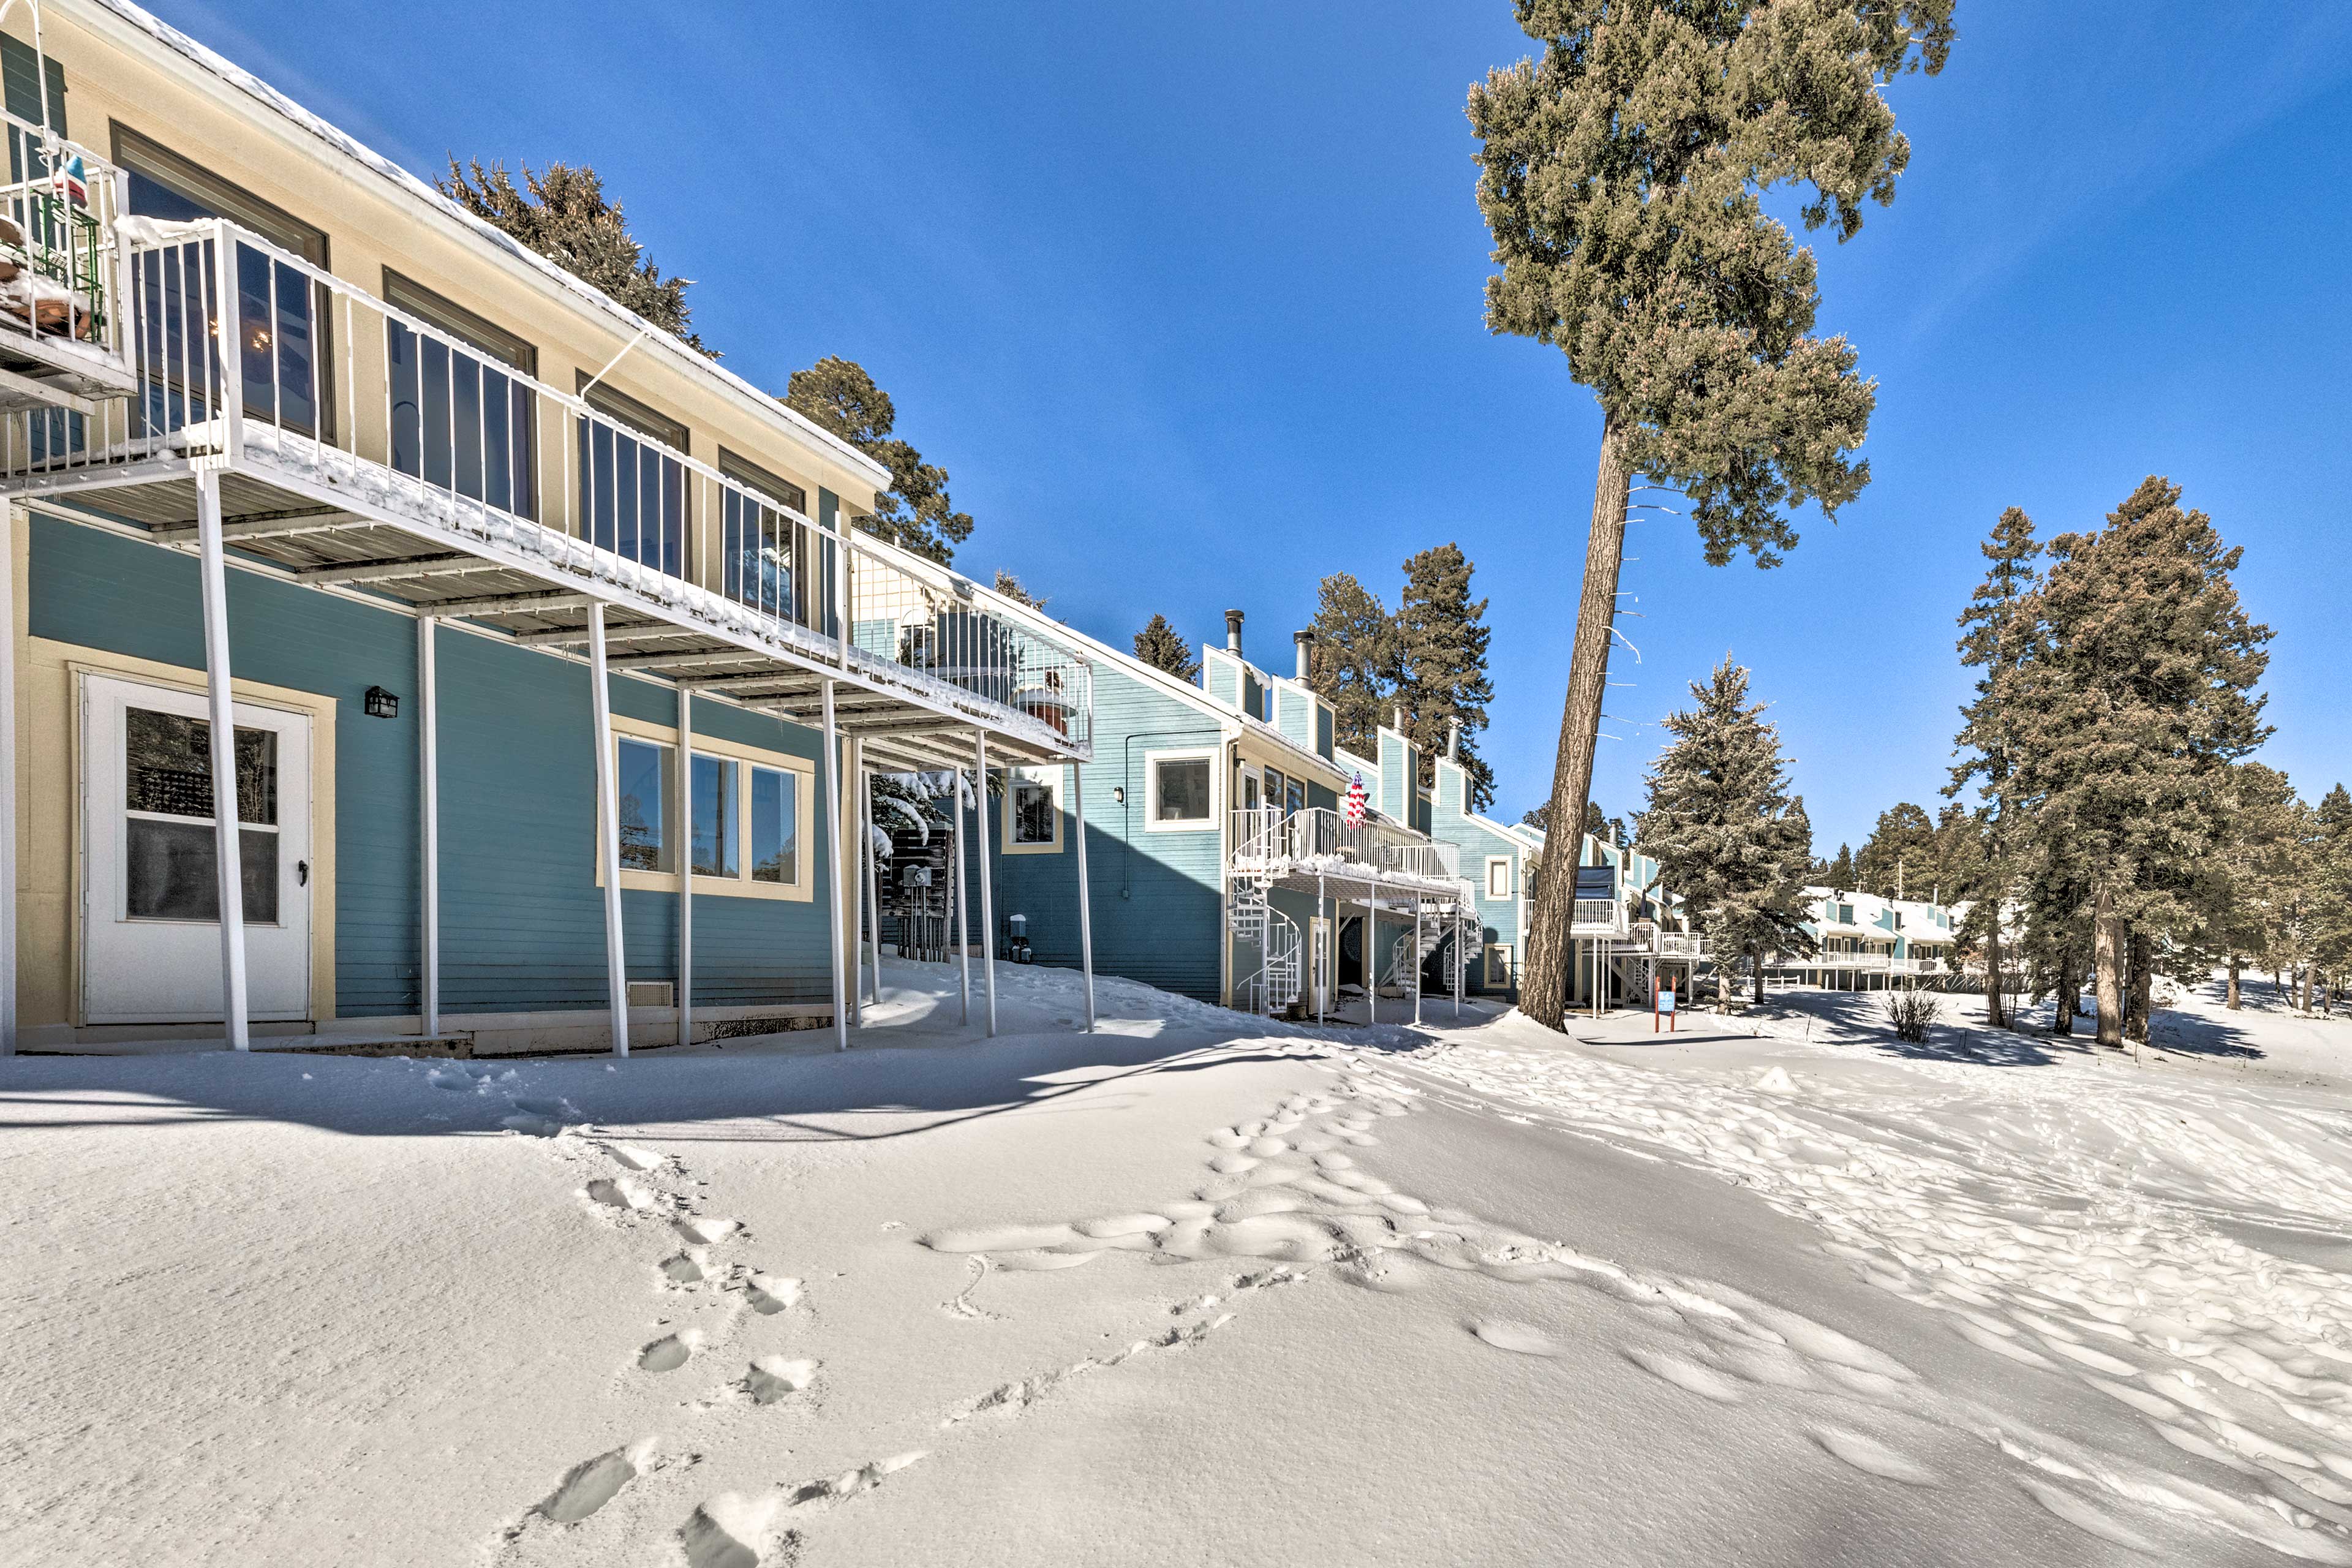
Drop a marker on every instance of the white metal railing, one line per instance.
(1604, 912)
(238, 349)
(60, 260)
(1676, 944)
(1846, 959)
(1300, 840)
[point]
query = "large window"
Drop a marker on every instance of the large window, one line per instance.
(641, 785)
(1183, 787)
(762, 551)
(1499, 965)
(775, 825)
(461, 418)
(287, 362)
(633, 498)
(716, 833)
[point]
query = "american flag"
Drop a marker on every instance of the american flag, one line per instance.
(1353, 813)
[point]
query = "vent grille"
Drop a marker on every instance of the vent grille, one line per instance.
(653, 994)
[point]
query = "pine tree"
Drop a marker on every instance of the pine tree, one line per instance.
(1999, 636)
(1840, 872)
(1620, 177)
(1540, 819)
(2139, 694)
(1899, 854)
(1158, 645)
(916, 512)
(1725, 831)
(1010, 586)
(2332, 901)
(1601, 826)
(1443, 636)
(561, 211)
(1358, 661)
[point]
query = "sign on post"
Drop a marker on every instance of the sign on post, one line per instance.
(1662, 1005)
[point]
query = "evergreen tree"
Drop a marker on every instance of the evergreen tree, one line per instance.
(2332, 902)
(2140, 692)
(1898, 856)
(1725, 831)
(1442, 639)
(1999, 632)
(2242, 877)
(1606, 828)
(1540, 819)
(1619, 176)
(1158, 645)
(1010, 586)
(1358, 661)
(1840, 872)
(561, 211)
(916, 512)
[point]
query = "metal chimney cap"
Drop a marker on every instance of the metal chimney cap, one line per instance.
(1233, 630)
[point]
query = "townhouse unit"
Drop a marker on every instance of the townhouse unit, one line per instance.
(1865, 942)
(1223, 862)
(408, 640)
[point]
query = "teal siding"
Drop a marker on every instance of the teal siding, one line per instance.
(522, 919)
(1158, 898)
(1295, 715)
(1324, 741)
(1449, 823)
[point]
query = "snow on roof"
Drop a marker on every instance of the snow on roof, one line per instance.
(410, 186)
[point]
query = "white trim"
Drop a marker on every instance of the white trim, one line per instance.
(1496, 952)
(1510, 878)
(677, 815)
(1215, 821)
(1052, 777)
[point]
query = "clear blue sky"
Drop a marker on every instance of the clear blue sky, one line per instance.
(1186, 299)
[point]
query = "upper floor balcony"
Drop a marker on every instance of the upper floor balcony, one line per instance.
(61, 270)
(1316, 849)
(360, 445)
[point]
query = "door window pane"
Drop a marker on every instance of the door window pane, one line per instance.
(714, 817)
(168, 767)
(170, 870)
(643, 774)
(634, 494)
(1293, 797)
(1182, 786)
(775, 825)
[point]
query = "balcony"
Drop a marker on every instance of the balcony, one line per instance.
(60, 275)
(358, 446)
(1316, 849)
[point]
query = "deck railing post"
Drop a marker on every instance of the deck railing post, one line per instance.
(428, 826)
(228, 856)
(987, 894)
(834, 892)
(608, 833)
(872, 921)
(1085, 912)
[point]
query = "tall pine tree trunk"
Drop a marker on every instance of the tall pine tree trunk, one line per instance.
(2231, 1001)
(1543, 985)
(1756, 959)
(2141, 951)
(2068, 1001)
(2306, 987)
(2106, 947)
(1995, 1016)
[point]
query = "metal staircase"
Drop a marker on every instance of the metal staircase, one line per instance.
(1275, 984)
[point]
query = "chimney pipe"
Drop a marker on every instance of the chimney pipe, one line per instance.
(1233, 630)
(1305, 640)
(1453, 739)
(1397, 713)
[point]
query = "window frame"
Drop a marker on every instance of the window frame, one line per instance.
(485, 338)
(1510, 881)
(1496, 971)
(616, 407)
(1053, 779)
(1151, 761)
(677, 786)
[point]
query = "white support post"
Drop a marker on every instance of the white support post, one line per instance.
(1413, 947)
(963, 926)
(987, 895)
(1085, 913)
(229, 860)
(1328, 957)
(608, 832)
(686, 864)
(1461, 959)
(873, 879)
(1372, 955)
(835, 891)
(9, 822)
(428, 828)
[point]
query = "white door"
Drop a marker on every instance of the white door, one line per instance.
(150, 893)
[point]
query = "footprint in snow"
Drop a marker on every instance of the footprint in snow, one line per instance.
(620, 1192)
(771, 1377)
(706, 1231)
(1518, 1337)
(592, 1483)
(769, 1294)
(670, 1352)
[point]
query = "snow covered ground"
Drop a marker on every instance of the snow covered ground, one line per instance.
(1195, 1289)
